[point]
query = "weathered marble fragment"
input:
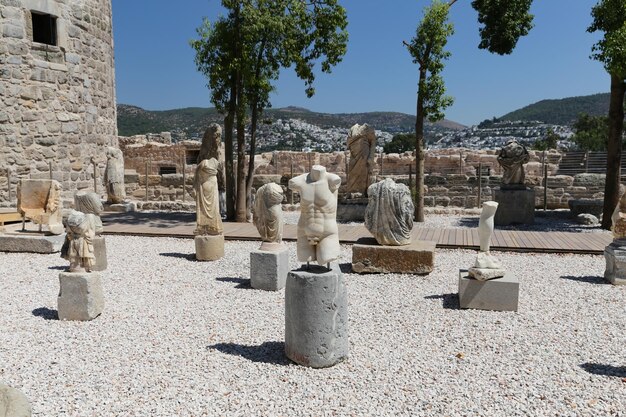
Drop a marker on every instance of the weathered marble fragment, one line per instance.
(13, 403)
(90, 203)
(389, 214)
(212, 147)
(512, 158)
(79, 249)
(362, 147)
(114, 176)
(40, 201)
(484, 259)
(318, 234)
(268, 212)
(208, 220)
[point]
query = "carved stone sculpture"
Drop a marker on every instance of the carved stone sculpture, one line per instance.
(619, 219)
(486, 266)
(80, 229)
(268, 212)
(212, 147)
(362, 146)
(208, 218)
(318, 234)
(512, 158)
(90, 203)
(114, 176)
(389, 214)
(40, 201)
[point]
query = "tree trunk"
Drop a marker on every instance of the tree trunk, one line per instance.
(228, 162)
(419, 151)
(253, 126)
(242, 208)
(614, 150)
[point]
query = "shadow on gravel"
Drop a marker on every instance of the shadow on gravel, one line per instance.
(587, 279)
(188, 256)
(268, 352)
(448, 301)
(604, 370)
(59, 268)
(46, 313)
(243, 283)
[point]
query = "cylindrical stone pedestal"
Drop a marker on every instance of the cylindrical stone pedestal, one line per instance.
(209, 247)
(269, 269)
(316, 317)
(80, 296)
(100, 251)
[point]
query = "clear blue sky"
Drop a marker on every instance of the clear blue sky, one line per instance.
(155, 65)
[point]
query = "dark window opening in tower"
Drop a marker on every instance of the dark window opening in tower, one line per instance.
(44, 28)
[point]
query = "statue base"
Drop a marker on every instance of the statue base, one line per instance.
(30, 242)
(515, 205)
(209, 247)
(269, 269)
(498, 294)
(351, 209)
(80, 296)
(100, 252)
(316, 316)
(615, 255)
(368, 256)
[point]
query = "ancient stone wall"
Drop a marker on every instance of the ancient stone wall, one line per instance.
(57, 95)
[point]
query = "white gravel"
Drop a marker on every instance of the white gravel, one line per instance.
(185, 338)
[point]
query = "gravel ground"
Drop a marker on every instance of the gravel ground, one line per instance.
(185, 338)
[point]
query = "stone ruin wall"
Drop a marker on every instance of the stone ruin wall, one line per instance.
(445, 185)
(57, 102)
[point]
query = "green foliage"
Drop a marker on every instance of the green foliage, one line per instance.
(562, 111)
(487, 123)
(504, 22)
(548, 142)
(428, 51)
(591, 132)
(609, 16)
(400, 143)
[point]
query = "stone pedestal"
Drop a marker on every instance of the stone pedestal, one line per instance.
(100, 251)
(351, 209)
(120, 207)
(30, 242)
(13, 403)
(269, 269)
(80, 297)
(316, 317)
(615, 255)
(370, 257)
(209, 247)
(515, 205)
(500, 294)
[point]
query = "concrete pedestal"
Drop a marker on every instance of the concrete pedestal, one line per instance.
(316, 317)
(100, 251)
(416, 258)
(515, 205)
(500, 294)
(80, 297)
(30, 242)
(13, 403)
(209, 247)
(269, 269)
(615, 255)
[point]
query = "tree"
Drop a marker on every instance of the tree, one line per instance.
(427, 50)
(591, 132)
(400, 143)
(504, 22)
(609, 17)
(241, 55)
(550, 141)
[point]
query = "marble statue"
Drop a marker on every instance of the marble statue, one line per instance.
(512, 158)
(79, 250)
(208, 219)
(90, 203)
(212, 147)
(268, 212)
(40, 201)
(486, 266)
(318, 234)
(619, 219)
(362, 146)
(389, 214)
(114, 176)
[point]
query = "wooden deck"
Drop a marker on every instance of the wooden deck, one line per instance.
(183, 224)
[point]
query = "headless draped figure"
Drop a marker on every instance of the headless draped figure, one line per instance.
(318, 234)
(208, 220)
(268, 213)
(80, 228)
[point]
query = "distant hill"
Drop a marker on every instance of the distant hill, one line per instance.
(133, 120)
(563, 111)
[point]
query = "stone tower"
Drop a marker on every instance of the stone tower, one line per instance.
(57, 93)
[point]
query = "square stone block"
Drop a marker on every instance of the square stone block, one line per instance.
(499, 294)
(31, 242)
(514, 206)
(416, 258)
(100, 252)
(209, 247)
(269, 269)
(615, 255)
(80, 296)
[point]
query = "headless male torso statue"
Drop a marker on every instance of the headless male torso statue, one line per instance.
(318, 235)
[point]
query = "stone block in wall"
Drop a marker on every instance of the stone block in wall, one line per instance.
(131, 176)
(438, 190)
(560, 181)
(459, 189)
(532, 181)
(589, 180)
(442, 201)
(458, 201)
(259, 180)
(429, 201)
(470, 201)
(433, 179)
(152, 180)
(174, 180)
